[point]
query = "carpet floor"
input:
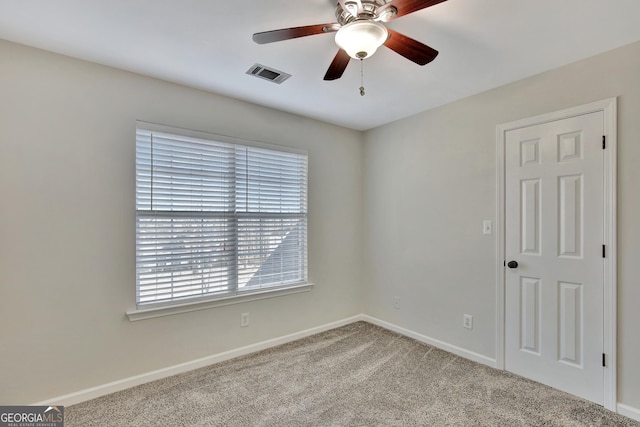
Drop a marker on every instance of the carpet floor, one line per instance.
(356, 375)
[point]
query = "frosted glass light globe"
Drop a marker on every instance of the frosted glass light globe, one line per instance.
(361, 38)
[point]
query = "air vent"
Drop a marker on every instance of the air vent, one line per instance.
(268, 73)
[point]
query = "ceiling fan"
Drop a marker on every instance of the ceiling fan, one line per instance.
(359, 32)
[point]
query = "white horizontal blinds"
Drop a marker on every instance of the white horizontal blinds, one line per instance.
(271, 181)
(215, 218)
(271, 190)
(180, 257)
(185, 222)
(187, 174)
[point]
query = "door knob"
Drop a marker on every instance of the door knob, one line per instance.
(512, 264)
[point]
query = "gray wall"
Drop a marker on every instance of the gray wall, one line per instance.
(430, 181)
(67, 221)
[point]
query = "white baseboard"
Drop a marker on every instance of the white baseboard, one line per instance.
(112, 387)
(458, 351)
(628, 411)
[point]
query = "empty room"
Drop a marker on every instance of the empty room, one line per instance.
(340, 213)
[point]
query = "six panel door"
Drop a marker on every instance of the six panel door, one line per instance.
(554, 205)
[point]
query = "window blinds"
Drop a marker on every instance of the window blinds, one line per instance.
(215, 218)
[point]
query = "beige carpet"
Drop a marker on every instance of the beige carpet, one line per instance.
(357, 375)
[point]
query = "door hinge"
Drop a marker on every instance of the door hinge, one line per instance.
(603, 361)
(604, 142)
(604, 253)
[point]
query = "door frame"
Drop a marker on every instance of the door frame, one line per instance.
(609, 107)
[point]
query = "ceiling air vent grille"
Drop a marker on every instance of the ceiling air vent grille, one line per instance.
(267, 73)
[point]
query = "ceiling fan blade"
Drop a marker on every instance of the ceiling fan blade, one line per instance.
(338, 65)
(411, 49)
(294, 32)
(405, 7)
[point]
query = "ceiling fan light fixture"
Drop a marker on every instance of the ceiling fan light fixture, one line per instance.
(361, 38)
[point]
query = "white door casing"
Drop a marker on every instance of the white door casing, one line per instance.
(556, 205)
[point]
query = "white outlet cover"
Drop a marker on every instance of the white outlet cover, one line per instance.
(244, 319)
(467, 321)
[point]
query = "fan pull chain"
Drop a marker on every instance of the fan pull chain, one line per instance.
(361, 77)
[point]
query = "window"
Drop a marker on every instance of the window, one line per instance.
(215, 218)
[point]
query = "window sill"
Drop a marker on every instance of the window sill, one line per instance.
(169, 310)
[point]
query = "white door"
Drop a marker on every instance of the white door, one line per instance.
(554, 226)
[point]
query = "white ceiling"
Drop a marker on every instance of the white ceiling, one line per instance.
(207, 44)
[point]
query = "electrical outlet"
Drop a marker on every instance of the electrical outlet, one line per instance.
(244, 320)
(396, 303)
(467, 321)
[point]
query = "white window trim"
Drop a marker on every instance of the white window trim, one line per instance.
(196, 304)
(186, 307)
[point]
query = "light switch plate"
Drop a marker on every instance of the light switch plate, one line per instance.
(487, 227)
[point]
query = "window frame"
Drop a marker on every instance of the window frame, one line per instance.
(235, 295)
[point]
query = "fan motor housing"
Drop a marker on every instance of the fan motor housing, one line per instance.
(369, 11)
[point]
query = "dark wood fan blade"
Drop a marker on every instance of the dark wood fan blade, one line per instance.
(338, 65)
(294, 32)
(405, 7)
(411, 49)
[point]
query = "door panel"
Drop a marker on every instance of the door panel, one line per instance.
(570, 216)
(570, 331)
(530, 216)
(530, 314)
(554, 224)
